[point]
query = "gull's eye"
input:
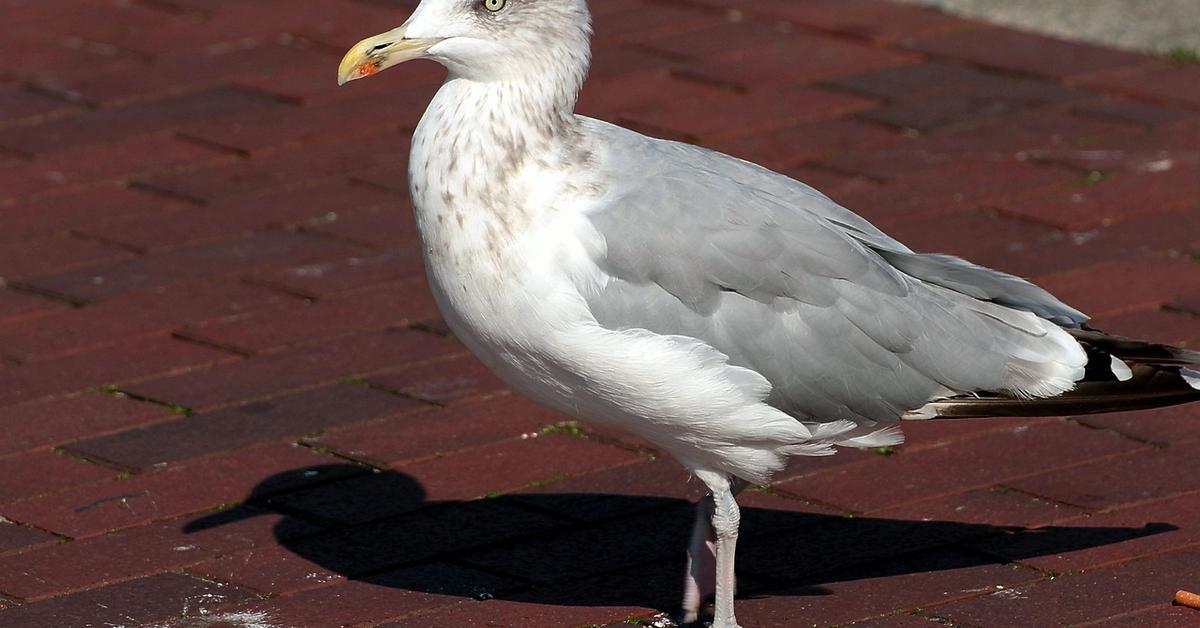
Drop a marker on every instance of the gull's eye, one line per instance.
(494, 5)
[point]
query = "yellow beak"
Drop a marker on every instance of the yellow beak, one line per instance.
(380, 52)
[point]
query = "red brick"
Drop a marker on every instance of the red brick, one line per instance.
(1042, 134)
(1160, 616)
(320, 160)
(1160, 425)
(302, 367)
(1139, 476)
(136, 315)
(641, 90)
(59, 213)
(1106, 538)
(133, 553)
(956, 187)
(457, 379)
(1085, 597)
(322, 280)
(157, 597)
(802, 58)
(644, 21)
(20, 106)
(743, 114)
(48, 423)
(40, 472)
(355, 602)
(276, 418)
(970, 233)
(162, 77)
(386, 227)
(1156, 325)
(396, 304)
(240, 216)
(310, 85)
(1131, 239)
(784, 147)
(1163, 83)
(418, 436)
(1026, 52)
(916, 581)
(609, 63)
(870, 19)
(1129, 111)
(16, 306)
(1131, 284)
(108, 125)
(16, 538)
(998, 506)
(1121, 196)
(112, 365)
(47, 255)
(485, 614)
(217, 259)
(721, 38)
(257, 132)
(88, 165)
(269, 569)
(979, 462)
(165, 493)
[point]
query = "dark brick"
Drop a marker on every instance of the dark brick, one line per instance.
(1155, 324)
(18, 106)
(999, 506)
(942, 80)
(793, 144)
(259, 421)
(305, 366)
(1161, 425)
(157, 597)
(484, 614)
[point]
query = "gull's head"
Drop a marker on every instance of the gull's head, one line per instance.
(481, 39)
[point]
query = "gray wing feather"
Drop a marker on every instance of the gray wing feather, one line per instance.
(845, 322)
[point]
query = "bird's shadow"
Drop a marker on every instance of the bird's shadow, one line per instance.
(602, 549)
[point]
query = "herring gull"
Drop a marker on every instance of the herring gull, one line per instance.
(728, 314)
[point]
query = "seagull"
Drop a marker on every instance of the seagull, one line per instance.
(730, 315)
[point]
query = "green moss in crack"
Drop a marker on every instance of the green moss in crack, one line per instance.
(1183, 56)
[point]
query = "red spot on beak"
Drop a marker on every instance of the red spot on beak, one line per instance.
(366, 69)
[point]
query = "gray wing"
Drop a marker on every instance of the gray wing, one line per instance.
(845, 322)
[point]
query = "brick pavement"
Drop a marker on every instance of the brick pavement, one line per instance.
(227, 398)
